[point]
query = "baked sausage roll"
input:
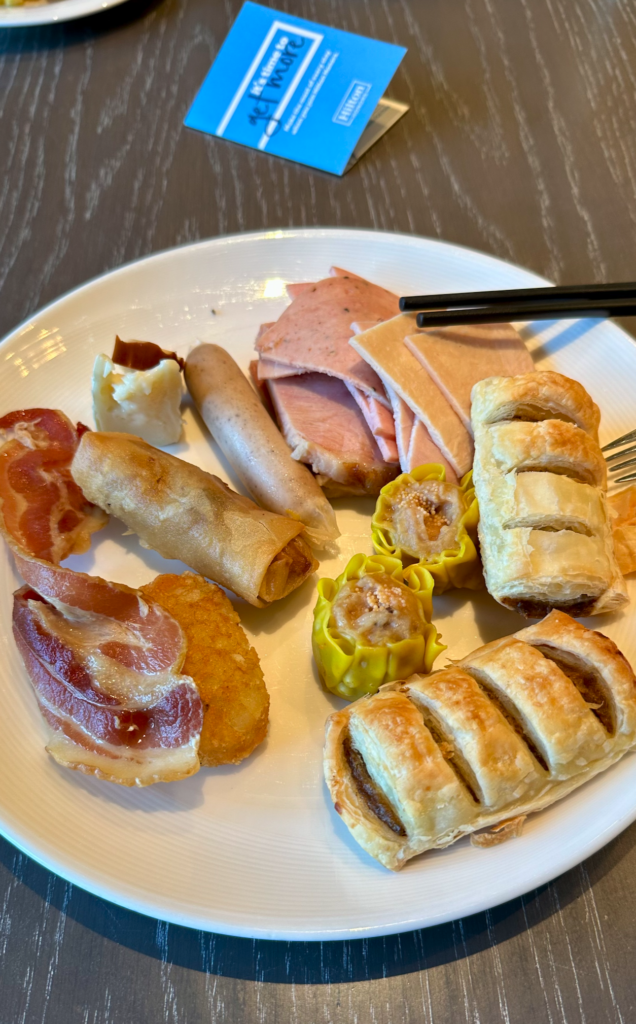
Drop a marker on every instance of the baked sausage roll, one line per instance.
(536, 396)
(541, 480)
(509, 730)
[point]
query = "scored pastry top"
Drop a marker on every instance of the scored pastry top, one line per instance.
(535, 396)
(540, 480)
(508, 730)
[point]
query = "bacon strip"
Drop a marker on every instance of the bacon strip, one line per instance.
(145, 726)
(104, 663)
(43, 512)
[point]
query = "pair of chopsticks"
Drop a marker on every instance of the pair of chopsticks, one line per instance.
(566, 302)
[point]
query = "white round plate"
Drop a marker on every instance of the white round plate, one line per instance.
(51, 12)
(256, 849)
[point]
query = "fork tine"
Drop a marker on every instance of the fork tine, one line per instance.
(619, 455)
(623, 465)
(622, 479)
(631, 436)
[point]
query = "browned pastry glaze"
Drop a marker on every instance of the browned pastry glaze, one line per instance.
(510, 729)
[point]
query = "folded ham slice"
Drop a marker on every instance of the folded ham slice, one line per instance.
(458, 357)
(325, 428)
(383, 348)
(312, 334)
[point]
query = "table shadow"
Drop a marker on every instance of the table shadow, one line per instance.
(314, 963)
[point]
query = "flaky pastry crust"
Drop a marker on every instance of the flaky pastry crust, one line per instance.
(509, 730)
(541, 480)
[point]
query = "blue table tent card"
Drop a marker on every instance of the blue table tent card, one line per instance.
(299, 90)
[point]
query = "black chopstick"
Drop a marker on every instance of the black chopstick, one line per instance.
(543, 310)
(562, 293)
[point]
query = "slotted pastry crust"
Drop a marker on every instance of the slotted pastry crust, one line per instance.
(536, 396)
(509, 730)
(541, 480)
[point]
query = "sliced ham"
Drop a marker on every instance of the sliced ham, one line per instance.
(413, 439)
(269, 370)
(423, 450)
(294, 289)
(264, 328)
(379, 421)
(312, 334)
(383, 348)
(325, 428)
(42, 510)
(458, 357)
(403, 419)
(388, 450)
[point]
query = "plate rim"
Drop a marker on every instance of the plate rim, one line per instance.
(38, 850)
(238, 237)
(49, 13)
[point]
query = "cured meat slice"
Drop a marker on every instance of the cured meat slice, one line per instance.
(414, 443)
(294, 289)
(42, 510)
(383, 348)
(422, 450)
(458, 357)
(388, 449)
(403, 419)
(109, 688)
(312, 334)
(264, 328)
(267, 369)
(379, 421)
(325, 428)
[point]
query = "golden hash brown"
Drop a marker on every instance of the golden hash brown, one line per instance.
(223, 665)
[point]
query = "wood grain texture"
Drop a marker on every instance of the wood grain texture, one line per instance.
(519, 142)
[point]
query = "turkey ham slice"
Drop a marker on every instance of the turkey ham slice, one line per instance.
(458, 357)
(312, 334)
(384, 349)
(325, 428)
(379, 421)
(422, 449)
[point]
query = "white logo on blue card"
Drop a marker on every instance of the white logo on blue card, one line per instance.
(354, 97)
(293, 88)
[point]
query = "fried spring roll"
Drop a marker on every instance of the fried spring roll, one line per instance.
(182, 512)
(254, 446)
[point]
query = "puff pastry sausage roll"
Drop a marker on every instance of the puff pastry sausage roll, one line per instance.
(508, 730)
(541, 481)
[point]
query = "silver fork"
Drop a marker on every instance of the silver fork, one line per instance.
(618, 443)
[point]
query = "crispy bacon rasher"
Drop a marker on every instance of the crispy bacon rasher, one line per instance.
(43, 510)
(104, 663)
(105, 666)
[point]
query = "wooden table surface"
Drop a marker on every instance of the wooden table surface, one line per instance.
(520, 141)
